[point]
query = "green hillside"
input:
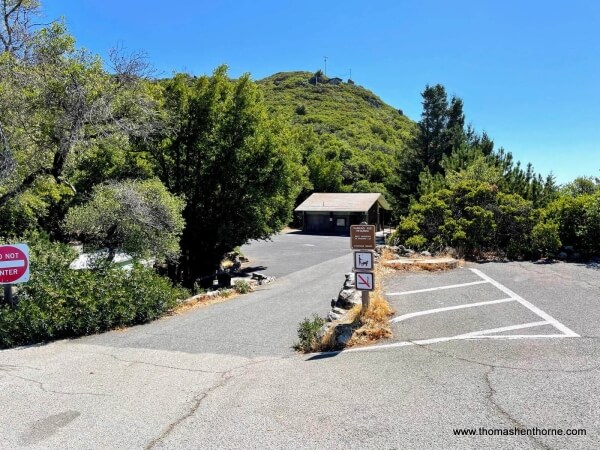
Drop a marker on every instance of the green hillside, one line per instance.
(345, 125)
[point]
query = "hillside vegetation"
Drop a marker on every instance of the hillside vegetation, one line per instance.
(351, 138)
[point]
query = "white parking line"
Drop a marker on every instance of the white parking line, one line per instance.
(452, 286)
(551, 320)
(449, 308)
(508, 328)
(474, 335)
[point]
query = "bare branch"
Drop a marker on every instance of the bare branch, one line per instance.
(129, 67)
(15, 28)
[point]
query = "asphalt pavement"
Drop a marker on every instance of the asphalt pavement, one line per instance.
(505, 346)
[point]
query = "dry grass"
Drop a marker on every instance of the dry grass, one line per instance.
(200, 301)
(418, 266)
(374, 323)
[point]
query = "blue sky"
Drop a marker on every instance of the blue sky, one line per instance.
(527, 71)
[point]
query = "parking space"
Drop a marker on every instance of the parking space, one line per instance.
(465, 304)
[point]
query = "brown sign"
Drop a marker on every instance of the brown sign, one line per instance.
(362, 237)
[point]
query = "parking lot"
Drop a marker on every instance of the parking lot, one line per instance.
(465, 304)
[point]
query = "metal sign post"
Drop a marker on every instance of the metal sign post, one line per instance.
(8, 298)
(362, 239)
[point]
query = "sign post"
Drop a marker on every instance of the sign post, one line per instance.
(362, 239)
(14, 268)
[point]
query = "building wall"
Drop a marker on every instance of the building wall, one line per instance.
(330, 222)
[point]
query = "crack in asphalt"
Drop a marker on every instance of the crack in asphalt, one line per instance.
(13, 366)
(51, 391)
(497, 366)
(146, 363)
(504, 413)
(198, 400)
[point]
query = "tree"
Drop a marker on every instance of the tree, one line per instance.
(15, 25)
(139, 217)
(582, 186)
(238, 170)
(56, 102)
(433, 126)
(441, 132)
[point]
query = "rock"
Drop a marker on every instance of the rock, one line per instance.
(450, 251)
(336, 314)
(323, 331)
(259, 276)
(562, 255)
(262, 278)
(345, 294)
(409, 252)
(343, 333)
(425, 253)
(347, 298)
(349, 282)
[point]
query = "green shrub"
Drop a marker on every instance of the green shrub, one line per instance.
(470, 215)
(416, 242)
(308, 331)
(59, 302)
(578, 220)
(545, 238)
(242, 287)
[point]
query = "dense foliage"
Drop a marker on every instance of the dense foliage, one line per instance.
(238, 169)
(140, 217)
(59, 302)
(459, 192)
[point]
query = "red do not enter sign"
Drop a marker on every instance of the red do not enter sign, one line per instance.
(14, 263)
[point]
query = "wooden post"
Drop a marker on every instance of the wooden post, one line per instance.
(365, 301)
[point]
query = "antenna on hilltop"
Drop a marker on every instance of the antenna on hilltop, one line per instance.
(325, 58)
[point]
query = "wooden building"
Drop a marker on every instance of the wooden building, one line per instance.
(324, 213)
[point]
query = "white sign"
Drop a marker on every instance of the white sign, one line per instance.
(365, 281)
(363, 260)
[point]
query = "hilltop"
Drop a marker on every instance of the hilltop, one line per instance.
(355, 129)
(343, 108)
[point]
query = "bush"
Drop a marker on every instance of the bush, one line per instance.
(242, 287)
(578, 220)
(59, 302)
(308, 334)
(469, 215)
(545, 238)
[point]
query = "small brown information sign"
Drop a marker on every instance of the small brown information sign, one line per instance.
(362, 237)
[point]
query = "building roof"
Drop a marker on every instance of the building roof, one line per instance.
(342, 202)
